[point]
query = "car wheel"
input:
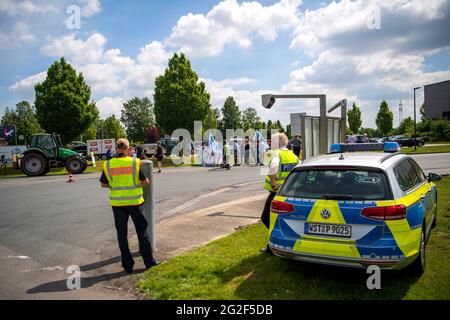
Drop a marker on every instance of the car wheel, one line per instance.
(420, 144)
(418, 266)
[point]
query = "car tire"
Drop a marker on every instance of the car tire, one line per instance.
(34, 164)
(419, 265)
(420, 144)
(75, 165)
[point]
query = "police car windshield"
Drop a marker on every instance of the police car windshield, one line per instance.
(336, 184)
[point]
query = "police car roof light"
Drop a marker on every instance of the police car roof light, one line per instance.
(351, 147)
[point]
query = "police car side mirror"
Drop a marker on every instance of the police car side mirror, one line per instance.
(434, 177)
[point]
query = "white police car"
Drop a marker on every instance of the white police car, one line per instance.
(355, 209)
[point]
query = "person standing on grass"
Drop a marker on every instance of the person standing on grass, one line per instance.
(280, 165)
(159, 155)
(125, 179)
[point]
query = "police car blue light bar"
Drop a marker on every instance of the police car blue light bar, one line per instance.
(388, 146)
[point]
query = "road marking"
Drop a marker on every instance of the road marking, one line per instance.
(19, 257)
(202, 197)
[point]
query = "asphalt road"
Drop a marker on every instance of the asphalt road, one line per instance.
(55, 224)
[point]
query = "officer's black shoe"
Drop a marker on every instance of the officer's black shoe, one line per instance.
(129, 271)
(154, 263)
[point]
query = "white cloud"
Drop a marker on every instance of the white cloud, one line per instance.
(369, 65)
(231, 23)
(109, 106)
(80, 52)
(14, 7)
(108, 72)
(25, 86)
(17, 37)
(90, 7)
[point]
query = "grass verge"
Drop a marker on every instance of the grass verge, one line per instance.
(233, 268)
(425, 149)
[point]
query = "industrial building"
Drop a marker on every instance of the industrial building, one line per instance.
(437, 100)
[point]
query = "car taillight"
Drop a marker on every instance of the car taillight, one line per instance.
(281, 207)
(385, 213)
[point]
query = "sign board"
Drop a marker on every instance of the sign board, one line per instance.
(99, 146)
(296, 127)
(8, 133)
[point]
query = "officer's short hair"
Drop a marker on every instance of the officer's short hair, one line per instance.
(279, 140)
(123, 143)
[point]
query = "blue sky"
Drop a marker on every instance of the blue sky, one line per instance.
(365, 51)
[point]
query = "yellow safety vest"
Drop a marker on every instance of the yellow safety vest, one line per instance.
(124, 185)
(288, 160)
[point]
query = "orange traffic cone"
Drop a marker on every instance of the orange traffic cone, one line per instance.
(71, 178)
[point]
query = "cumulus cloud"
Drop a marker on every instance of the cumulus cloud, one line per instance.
(90, 7)
(14, 7)
(232, 23)
(108, 72)
(352, 60)
(109, 106)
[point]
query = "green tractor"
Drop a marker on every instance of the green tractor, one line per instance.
(46, 152)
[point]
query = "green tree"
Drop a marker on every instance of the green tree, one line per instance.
(63, 102)
(113, 128)
(211, 120)
(137, 115)
(354, 118)
(180, 98)
(406, 127)
(250, 119)
(24, 118)
(231, 115)
(385, 119)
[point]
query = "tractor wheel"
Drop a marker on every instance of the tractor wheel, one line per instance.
(34, 164)
(76, 165)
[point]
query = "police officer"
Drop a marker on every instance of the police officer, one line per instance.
(280, 165)
(124, 178)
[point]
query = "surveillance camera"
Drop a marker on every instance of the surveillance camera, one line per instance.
(268, 101)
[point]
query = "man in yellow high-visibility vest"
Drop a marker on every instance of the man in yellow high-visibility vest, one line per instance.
(124, 178)
(280, 165)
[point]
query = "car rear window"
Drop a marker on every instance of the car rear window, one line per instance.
(337, 184)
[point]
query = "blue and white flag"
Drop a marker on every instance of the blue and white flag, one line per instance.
(262, 142)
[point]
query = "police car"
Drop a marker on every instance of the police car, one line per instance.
(355, 209)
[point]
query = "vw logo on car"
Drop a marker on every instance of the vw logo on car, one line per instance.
(325, 213)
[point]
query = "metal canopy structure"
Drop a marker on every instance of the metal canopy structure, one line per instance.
(324, 139)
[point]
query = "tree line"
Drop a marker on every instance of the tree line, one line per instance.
(428, 129)
(63, 105)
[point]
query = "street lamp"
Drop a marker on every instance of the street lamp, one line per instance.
(415, 120)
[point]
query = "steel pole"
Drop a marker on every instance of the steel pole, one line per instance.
(149, 204)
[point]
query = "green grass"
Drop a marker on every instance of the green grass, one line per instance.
(233, 268)
(425, 149)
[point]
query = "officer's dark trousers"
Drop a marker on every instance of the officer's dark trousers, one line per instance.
(265, 217)
(141, 224)
(297, 151)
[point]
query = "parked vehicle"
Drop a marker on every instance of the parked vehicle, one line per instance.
(79, 147)
(404, 141)
(355, 210)
(100, 146)
(46, 152)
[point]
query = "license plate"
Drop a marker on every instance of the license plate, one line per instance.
(335, 230)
